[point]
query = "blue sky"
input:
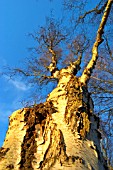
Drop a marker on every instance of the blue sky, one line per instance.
(17, 19)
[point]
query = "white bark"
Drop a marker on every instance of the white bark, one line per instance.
(62, 133)
(88, 70)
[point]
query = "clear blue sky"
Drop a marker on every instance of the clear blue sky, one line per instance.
(17, 19)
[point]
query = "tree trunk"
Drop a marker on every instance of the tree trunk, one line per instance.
(61, 133)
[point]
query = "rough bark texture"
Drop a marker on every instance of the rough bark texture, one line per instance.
(61, 133)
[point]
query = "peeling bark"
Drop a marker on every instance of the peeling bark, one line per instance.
(61, 133)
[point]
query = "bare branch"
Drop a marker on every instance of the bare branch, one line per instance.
(53, 65)
(96, 10)
(74, 67)
(108, 48)
(88, 70)
(18, 70)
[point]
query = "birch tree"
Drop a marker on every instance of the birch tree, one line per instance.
(63, 132)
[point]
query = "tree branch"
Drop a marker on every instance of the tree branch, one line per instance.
(53, 65)
(74, 67)
(108, 48)
(89, 68)
(96, 10)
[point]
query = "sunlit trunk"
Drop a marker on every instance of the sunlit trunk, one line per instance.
(61, 133)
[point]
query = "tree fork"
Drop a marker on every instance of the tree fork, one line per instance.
(61, 133)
